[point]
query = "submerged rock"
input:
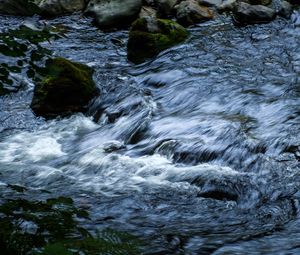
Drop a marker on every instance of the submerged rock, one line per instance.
(2, 90)
(190, 13)
(66, 88)
(251, 14)
(149, 36)
(59, 7)
(114, 13)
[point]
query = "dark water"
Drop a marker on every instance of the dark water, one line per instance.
(196, 151)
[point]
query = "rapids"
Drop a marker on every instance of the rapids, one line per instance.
(196, 151)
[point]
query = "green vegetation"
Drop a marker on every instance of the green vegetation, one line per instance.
(23, 54)
(51, 227)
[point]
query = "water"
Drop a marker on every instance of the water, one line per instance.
(196, 151)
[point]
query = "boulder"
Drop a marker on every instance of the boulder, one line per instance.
(285, 9)
(110, 14)
(149, 36)
(17, 7)
(165, 7)
(190, 12)
(60, 7)
(251, 14)
(66, 88)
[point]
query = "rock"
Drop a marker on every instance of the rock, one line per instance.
(149, 36)
(17, 7)
(285, 9)
(112, 146)
(165, 7)
(259, 2)
(213, 3)
(227, 5)
(148, 2)
(297, 2)
(59, 7)
(190, 13)
(295, 18)
(2, 90)
(251, 14)
(110, 14)
(147, 11)
(66, 88)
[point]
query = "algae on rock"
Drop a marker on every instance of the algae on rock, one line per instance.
(149, 36)
(67, 87)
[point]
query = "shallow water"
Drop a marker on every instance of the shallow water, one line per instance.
(196, 151)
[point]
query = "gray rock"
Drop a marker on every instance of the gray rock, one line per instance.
(190, 12)
(227, 5)
(110, 14)
(147, 11)
(285, 9)
(59, 7)
(251, 14)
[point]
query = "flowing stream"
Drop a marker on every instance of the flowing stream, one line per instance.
(196, 151)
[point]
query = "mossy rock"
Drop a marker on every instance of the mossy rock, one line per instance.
(66, 88)
(148, 36)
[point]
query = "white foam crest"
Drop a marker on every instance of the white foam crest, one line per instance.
(46, 143)
(111, 173)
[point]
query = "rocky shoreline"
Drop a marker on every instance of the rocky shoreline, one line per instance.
(115, 14)
(154, 25)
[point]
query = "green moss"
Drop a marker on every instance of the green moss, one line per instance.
(67, 87)
(146, 43)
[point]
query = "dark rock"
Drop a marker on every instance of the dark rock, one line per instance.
(259, 2)
(190, 13)
(165, 7)
(251, 14)
(212, 3)
(60, 7)
(18, 7)
(2, 90)
(220, 194)
(114, 13)
(149, 36)
(66, 88)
